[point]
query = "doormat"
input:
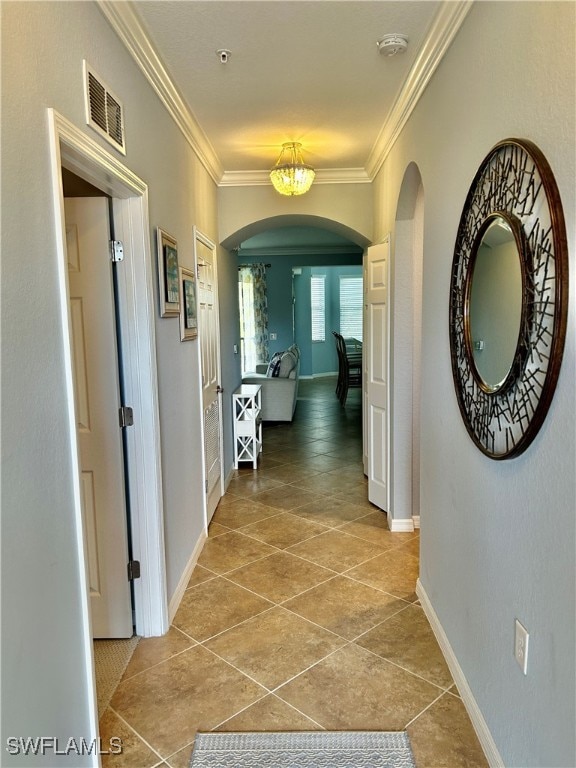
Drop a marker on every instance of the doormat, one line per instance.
(310, 749)
(111, 658)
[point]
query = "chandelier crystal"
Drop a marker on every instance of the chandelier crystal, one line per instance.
(291, 175)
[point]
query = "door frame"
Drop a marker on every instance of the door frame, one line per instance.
(72, 149)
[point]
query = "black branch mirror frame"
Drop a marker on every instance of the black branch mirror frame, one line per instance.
(516, 185)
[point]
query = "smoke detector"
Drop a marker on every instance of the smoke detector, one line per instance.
(392, 44)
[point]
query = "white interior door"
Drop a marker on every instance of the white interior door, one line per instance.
(209, 337)
(377, 347)
(97, 396)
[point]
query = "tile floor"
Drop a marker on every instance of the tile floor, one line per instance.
(301, 614)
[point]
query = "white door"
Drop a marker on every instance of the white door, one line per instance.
(209, 336)
(97, 395)
(377, 373)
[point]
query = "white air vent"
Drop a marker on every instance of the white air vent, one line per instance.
(104, 111)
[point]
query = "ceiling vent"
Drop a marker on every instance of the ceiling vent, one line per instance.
(104, 111)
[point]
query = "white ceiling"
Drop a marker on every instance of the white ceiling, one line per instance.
(299, 70)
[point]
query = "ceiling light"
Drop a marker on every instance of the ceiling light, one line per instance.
(291, 175)
(392, 44)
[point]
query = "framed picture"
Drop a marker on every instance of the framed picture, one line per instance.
(168, 274)
(188, 314)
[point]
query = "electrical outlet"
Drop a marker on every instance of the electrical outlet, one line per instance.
(273, 336)
(521, 638)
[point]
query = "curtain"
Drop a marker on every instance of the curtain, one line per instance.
(253, 315)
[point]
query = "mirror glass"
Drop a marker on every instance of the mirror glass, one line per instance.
(495, 303)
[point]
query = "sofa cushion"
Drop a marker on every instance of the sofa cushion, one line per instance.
(294, 349)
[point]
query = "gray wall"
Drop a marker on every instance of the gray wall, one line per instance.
(45, 687)
(498, 538)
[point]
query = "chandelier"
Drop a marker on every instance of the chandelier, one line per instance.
(291, 175)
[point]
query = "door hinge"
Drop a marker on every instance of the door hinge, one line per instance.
(116, 250)
(133, 570)
(126, 416)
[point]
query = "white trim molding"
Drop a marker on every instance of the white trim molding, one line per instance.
(484, 736)
(323, 176)
(444, 27)
(416, 521)
(176, 598)
(73, 149)
(125, 22)
(405, 525)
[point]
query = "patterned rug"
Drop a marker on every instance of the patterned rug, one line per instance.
(311, 749)
(111, 658)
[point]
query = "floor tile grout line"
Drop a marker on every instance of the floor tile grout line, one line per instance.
(227, 719)
(273, 694)
(240, 623)
(308, 668)
(140, 672)
(282, 603)
(332, 526)
(139, 735)
(242, 672)
(409, 671)
(321, 727)
(267, 610)
(380, 589)
(431, 704)
(224, 574)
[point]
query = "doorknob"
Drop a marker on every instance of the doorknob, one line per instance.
(219, 389)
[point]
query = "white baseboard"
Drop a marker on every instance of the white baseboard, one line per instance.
(484, 736)
(416, 521)
(406, 525)
(228, 478)
(176, 598)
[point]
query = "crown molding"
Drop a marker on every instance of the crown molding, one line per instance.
(298, 250)
(323, 176)
(124, 21)
(444, 27)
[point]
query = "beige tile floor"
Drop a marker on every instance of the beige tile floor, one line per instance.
(300, 615)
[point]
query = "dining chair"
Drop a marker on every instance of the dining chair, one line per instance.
(349, 368)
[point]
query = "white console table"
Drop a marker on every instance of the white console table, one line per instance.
(246, 407)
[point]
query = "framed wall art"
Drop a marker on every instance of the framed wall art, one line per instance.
(168, 276)
(188, 313)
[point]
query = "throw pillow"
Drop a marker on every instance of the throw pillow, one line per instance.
(287, 365)
(274, 365)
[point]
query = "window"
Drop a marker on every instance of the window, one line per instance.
(318, 303)
(351, 301)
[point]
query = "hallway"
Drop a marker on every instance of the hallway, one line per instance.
(301, 613)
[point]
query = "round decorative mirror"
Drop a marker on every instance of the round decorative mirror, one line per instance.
(494, 300)
(508, 299)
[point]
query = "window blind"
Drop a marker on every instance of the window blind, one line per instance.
(318, 304)
(351, 302)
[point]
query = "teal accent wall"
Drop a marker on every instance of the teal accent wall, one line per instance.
(294, 326)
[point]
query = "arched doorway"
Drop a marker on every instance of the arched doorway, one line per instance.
(290, 247)
(407, 333)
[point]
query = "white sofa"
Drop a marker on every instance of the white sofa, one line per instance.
(280, 392)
